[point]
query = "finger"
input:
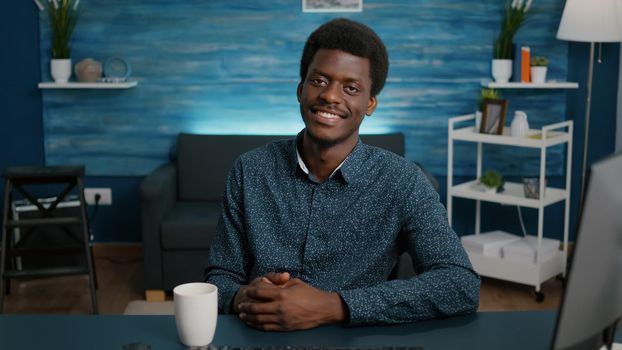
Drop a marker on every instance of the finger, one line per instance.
(265, 292)
(259, 319)
(243, 297)
(266, 280)
(259, 308)
(267, 327)
(260, 280)
(277, 277)
(294, 281)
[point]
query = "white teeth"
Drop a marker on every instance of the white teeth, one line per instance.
(327, 115)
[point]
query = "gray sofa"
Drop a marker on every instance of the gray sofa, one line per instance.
(180, 204)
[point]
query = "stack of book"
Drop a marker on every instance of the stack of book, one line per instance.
(489, 243)
(526, 249)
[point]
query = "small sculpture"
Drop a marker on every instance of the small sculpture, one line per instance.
(88, 70)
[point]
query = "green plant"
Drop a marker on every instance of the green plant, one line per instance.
(486, 94)
(539, 61)
(513, 18)
(492, 179)
(62, 15)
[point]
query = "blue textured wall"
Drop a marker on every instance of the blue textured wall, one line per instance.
(231, 67)
(21, 134)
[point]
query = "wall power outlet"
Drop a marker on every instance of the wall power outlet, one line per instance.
(104, 193)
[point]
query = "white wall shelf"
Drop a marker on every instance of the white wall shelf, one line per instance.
(532, 140)
(512, 195)
(518, 85)
(97, 85)
(545, 267)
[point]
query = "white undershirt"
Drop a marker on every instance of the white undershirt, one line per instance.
(304, 168)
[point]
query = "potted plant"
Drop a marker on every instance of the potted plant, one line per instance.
(484, 94)
(62, 16)
(514, 16)
(492, 181)
(538, 69)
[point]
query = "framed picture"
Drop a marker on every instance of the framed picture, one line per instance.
(332, 5)
(493, 116)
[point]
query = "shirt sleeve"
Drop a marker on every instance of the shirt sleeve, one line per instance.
(228, 258)
(446, 283)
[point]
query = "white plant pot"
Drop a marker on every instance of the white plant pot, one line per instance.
(538, 74)
(501, 70)
(60, 69)
(490, 190)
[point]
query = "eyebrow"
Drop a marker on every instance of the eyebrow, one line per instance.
(349, 80)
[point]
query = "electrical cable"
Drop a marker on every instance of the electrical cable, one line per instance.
(93, 215)
(520, 218)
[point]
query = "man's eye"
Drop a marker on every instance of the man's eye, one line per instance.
(318, 82)
(351, 89)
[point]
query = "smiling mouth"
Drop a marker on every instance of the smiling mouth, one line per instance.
(327, 115)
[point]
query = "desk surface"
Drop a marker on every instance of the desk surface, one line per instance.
(486, 330)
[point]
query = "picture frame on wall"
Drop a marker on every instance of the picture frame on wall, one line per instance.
(332, 5)
(493, 116)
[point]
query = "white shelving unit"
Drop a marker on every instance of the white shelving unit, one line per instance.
(516, 85)
(496, 267)
(97, 85)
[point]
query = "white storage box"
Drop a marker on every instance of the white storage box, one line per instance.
(525, 249)
(489, 243)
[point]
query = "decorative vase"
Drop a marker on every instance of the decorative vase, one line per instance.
(501, 70)
(60, 69)
(520, 125)
(538, 74)
(88, 70)
(490, 190)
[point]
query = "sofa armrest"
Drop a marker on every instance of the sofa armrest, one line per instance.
(158, 195)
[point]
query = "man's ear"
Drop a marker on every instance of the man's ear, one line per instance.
(299, 91)
(371, 105)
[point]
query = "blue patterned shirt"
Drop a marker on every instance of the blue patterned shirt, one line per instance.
(344, 234)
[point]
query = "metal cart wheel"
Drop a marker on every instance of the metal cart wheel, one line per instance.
(539, 296)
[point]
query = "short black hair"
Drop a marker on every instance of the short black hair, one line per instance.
(354, 38)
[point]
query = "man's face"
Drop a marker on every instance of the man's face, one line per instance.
(335, 96)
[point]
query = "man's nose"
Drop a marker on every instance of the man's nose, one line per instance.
(331, 93)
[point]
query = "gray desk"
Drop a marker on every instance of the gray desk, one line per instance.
(488, 330)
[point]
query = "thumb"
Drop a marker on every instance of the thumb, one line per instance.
(277, 277)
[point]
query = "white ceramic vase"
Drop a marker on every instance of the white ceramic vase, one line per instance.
(538, 74)
(519, 126)
(501, 70)
(490, 190)
(60, 69)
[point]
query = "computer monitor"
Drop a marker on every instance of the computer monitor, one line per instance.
(592, 301)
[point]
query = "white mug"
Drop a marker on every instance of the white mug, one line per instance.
(196, 311)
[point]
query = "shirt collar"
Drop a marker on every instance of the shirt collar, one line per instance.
(349, 168)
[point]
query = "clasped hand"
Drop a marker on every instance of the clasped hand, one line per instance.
(274, 302)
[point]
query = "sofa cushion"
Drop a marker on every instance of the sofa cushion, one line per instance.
(183, 266)
(203, 162)
(390, 142)
(190, 225)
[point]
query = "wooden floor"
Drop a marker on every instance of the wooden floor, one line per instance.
(120, 271)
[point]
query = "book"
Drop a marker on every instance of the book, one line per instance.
(525, 249)
(525, 64)
(516, 63)
(489, 243)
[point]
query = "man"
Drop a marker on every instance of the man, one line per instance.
(311, 227)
